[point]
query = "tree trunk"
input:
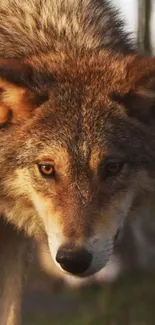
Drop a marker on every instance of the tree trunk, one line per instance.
(144, 25)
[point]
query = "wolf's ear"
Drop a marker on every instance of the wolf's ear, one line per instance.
(137, 92)
(18, 94)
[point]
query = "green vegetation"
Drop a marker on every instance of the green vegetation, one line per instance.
(129, 301)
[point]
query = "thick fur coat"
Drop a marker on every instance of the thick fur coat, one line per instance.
(77, 135)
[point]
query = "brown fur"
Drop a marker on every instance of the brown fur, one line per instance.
(74, 94)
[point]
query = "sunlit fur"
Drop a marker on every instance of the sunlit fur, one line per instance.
(73, 92)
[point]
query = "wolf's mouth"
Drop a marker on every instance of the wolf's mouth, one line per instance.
(84, 260)
(118, 236)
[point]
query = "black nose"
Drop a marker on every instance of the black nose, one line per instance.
(74, 260)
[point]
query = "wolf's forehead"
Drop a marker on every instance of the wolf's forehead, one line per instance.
(75, 135)
(77, 112)
(80, 154)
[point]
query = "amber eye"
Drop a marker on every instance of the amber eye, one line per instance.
(112, 168)
(46, 170)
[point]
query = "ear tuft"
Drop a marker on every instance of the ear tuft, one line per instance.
(18, 94)
(138, 91)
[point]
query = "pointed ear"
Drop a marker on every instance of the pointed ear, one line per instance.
(137, 92)
(18, 94)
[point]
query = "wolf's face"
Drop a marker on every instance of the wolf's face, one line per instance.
(76, 166)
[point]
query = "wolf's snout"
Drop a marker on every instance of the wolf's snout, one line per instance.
(74, 260)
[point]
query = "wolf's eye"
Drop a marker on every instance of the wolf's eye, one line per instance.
(46, 170)
(112, 168)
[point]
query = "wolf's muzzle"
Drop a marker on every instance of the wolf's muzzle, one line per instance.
(74, 260)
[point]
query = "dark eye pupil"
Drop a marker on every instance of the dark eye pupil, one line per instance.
(47, 167)
(113, 167)
(46, 170)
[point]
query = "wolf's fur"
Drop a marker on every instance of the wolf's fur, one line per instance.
(41, 26)
(74, 92)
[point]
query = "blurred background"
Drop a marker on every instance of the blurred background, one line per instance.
(123, 293)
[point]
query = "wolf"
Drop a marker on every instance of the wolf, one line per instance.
(77, 136)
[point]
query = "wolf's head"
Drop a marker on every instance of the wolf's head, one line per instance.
(77, 149)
